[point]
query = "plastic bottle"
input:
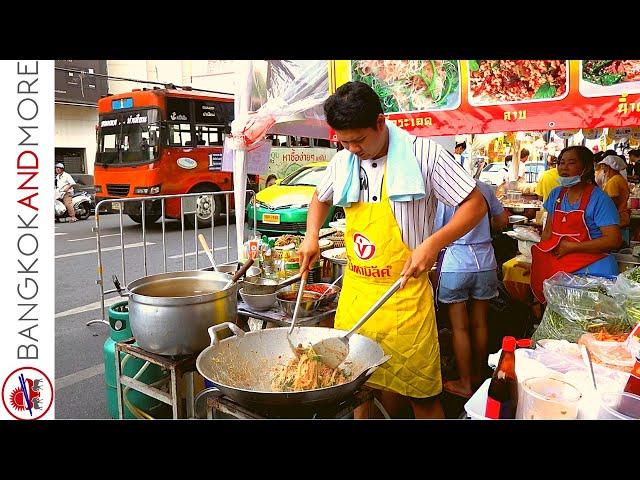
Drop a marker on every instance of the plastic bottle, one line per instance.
(267, 257)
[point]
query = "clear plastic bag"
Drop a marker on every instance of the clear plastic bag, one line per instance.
(630, 289)
(579, 304)
(609, 353)
(294, 88)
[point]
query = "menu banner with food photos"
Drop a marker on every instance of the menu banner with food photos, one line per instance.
(446, 97)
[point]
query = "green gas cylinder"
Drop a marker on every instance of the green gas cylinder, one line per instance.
(121, 330)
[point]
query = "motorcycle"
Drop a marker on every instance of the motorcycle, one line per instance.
(81, 202)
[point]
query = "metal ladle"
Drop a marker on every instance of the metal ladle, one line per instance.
(303, 283)
(333, 351)
(239, 273)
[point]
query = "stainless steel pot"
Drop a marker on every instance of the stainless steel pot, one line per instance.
(337, 265)
(242, 366)
(171, 312)
(337, 269)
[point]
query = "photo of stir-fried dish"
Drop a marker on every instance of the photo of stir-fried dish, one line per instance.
(411, 85)
(610, 72)
(508, 81)
(306, 372)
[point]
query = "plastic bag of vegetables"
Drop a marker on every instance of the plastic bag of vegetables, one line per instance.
(628, 285)
(579, 304)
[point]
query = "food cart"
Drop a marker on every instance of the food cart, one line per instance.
(427, 98)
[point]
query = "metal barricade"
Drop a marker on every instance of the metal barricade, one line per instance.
(123, 246)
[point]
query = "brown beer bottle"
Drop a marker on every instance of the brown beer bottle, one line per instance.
(502, 398)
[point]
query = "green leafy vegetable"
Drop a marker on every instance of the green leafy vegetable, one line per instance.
(546, 90)
(473, 65)
(634, 275)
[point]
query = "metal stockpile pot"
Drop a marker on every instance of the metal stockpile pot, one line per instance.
(337, 264)
(242, 366)
(171, 312)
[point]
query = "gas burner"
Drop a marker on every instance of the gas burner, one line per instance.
(217, 402)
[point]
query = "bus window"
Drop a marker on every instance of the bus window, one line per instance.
(180, 135)
(126, 137)
(210, 135)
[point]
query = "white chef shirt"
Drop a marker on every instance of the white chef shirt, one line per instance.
(445, 180)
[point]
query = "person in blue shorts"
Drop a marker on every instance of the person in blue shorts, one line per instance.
(468, 280)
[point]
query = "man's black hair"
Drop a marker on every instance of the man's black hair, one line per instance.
(524, 153)
(354, 105)
(462, 144)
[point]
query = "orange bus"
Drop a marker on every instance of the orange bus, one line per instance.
(163, 141)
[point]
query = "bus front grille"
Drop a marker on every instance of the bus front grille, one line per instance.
(117, 189)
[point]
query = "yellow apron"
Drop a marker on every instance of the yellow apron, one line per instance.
(405, 326)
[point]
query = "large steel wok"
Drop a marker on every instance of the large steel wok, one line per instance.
(242, 366)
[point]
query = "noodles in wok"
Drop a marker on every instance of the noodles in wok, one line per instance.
(306, 372)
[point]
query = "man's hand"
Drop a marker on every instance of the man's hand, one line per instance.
(564, 247)
(420, 261)
(309, 252)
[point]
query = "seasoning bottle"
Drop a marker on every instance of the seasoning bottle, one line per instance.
(267, 258)
(502, 398)
(506, 381)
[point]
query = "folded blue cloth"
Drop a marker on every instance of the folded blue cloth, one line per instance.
(403, 178)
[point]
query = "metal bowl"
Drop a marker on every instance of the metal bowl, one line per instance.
(260, 286)
(626, 262)
(252, 273)
(329, 297)
(308, 303)
(258, 302)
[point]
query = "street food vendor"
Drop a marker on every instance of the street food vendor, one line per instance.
(388, 183)
(618, 189)
(468, 280)
(582, 226)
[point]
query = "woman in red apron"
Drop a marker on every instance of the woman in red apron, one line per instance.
(582, 225)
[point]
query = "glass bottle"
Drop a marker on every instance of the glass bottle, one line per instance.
(502, 398)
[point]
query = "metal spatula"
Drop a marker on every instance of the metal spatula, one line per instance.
(333, 351)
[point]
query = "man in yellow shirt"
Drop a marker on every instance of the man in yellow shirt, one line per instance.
(617, 187)
(549, 179)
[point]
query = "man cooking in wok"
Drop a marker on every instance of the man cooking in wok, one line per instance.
(388, 183)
